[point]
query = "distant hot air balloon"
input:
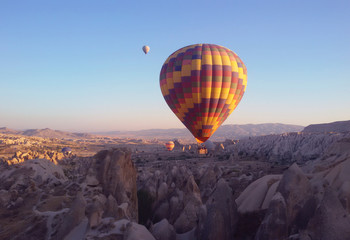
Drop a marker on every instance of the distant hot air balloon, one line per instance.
(170, 145)
(145, 49)
(203, 84)
(66, 150)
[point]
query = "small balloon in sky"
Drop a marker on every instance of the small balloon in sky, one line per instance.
(145, 49)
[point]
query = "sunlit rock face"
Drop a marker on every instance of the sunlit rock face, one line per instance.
(20, 157)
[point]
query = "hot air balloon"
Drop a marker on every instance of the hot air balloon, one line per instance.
(203, 84)
(145, 49)
(66, 150)
(170, 145)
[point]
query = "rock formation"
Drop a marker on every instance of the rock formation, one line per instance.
(116, 174)
(290, 186)
(41, 200)
(221, 214)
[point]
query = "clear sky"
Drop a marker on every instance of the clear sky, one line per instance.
(78, 65)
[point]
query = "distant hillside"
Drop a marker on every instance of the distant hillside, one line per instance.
(247, 130)
(340, 127)
(5, 130)
(151, 133)
(224, 132)
(45, 133)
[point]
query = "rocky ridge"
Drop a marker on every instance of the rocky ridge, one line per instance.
(286, 148)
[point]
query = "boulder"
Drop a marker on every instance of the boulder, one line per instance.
(162, 211)
(258, 194)
(296, 190)
(221, 219)
(192, 202)
(163, 230)
(136, 231)
(73, 218)
(331, 220)
(208, 180)
(116, 173)
(96, 210)
(344, 195)
(339, 174)
(162, 191)
(274, 225)
(111, 208)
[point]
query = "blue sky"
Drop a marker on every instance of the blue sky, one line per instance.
(78, 65)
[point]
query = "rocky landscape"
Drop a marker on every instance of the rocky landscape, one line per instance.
(281, 186)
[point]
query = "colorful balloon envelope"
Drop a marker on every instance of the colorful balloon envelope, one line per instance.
(145, 49)
(203, 84)
(170, 145)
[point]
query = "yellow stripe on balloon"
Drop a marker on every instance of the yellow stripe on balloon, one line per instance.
(196, 64)
(177, 76)
(164, 89)
(234, 66)
(207, 59)
(217, 60)
(215, 93)
(196, 97)
(240, 73)
(170, 83)
(226, 60)
(206, 92)
(217, 79)
(186, 70)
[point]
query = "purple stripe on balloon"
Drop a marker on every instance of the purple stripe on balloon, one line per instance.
(171, 65)
(186, 79)
(172, 94)
(217, 67)
(205, 100)
(177, 85)
(196, 105)
(207, 67)
(180, 55)
(226, 68)
(214, 101)
(220, 106)
(235, 74)
(195, 72)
